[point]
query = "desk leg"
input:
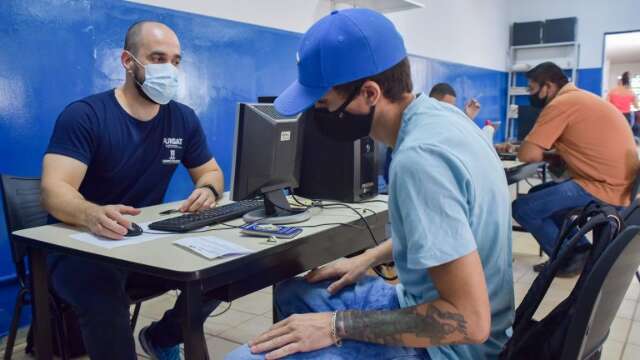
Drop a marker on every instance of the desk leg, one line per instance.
(274, 308)
(195, 347)
(42, 317)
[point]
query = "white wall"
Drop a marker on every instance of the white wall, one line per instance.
(595, 17)
(472, 32)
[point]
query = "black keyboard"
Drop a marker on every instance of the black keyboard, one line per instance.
(207, 217)
(508, 156)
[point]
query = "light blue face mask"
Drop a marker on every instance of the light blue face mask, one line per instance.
(160, 81)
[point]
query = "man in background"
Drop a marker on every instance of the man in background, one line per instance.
(445, 93)
(595, 142)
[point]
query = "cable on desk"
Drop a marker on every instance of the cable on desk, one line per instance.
(319, 204)
(373, 201)
(327, 224)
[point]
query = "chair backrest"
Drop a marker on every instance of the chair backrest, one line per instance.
(600, 298)
(22, 209)
(635, 186)
(631, 214)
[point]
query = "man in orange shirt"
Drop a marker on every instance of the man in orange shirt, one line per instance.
(594, 140)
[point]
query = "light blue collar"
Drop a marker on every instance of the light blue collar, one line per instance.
(415, 105)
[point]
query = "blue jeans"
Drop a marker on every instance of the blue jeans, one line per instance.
(296, 296)
(97, 294)
(542, 211)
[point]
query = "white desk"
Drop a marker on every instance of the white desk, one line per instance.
(224, 279)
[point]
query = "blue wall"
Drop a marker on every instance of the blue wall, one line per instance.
(487, 86)
(56, 52)
(591, 80)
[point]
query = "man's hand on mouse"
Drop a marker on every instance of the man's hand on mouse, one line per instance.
(200, 199)
(108, 221)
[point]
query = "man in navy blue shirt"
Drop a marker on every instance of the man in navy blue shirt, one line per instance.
(109, 154)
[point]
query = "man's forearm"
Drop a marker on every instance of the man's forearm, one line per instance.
(212, 178)
(424, 325)
(381, 254)
(65, 203)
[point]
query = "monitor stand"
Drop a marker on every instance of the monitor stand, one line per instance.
(276, 209)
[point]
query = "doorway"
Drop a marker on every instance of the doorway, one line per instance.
(621, 54)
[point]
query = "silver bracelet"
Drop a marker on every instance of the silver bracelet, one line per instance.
(334, 335)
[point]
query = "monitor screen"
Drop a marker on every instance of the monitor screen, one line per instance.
(267, 151)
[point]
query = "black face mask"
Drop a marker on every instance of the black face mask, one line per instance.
(341, 125)
(536, 101)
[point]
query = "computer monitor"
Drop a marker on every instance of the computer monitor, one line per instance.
(266, 161)
(527, 116)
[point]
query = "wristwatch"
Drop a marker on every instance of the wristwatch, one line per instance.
(213, 190)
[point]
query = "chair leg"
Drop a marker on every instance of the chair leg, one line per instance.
(15, 321)
(136, 313)
(29, 348)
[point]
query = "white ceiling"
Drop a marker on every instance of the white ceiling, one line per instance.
(623, 48)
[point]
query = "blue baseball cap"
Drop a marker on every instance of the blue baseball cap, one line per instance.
(344, 46)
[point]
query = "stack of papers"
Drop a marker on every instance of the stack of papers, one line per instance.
(211, 247)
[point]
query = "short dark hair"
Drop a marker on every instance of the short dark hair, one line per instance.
(624, 79)
(132, 39)
(440, 90)
(395, 82)
(548, 71)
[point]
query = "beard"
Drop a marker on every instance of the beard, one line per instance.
(138, 83)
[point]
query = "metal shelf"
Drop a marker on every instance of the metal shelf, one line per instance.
(518, 90)
(539, 46)
(568, 50)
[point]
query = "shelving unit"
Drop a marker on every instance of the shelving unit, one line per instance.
(524, 57)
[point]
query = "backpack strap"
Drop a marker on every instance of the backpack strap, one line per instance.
(591, 217)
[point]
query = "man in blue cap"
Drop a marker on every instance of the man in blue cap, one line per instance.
(449, 207)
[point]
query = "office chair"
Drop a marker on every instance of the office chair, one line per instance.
(600, 298)
(634, 195)
(22, 208)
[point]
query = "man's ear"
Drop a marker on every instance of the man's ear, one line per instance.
(552, 89)
(127, 61)
(372, 92)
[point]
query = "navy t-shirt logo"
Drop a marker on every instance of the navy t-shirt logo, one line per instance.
(172, 145)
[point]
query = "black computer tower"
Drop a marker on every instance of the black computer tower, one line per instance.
(334, 170)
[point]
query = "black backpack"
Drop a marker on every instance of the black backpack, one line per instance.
(545, 339)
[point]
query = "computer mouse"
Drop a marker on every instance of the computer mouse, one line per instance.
(134, 231)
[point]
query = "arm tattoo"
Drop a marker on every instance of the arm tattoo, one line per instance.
(420, 322)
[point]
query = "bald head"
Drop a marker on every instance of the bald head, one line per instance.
(145, 34)
(148, 42)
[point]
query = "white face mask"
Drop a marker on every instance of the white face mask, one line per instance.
(160, 81)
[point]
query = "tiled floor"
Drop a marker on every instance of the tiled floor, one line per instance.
(251, 315)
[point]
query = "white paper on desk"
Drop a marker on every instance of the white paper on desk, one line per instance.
(211, 247)
(110, 244)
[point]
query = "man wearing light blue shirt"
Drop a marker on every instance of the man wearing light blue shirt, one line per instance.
(449, 206)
